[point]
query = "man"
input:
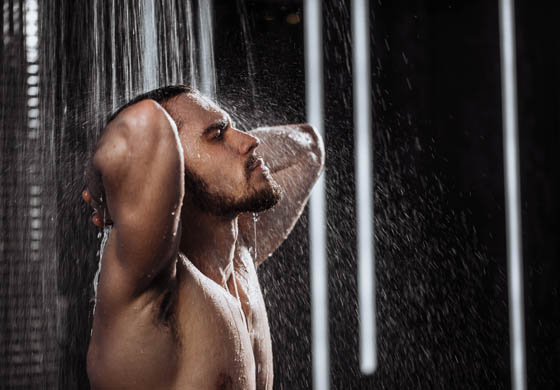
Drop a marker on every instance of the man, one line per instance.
(179, 304)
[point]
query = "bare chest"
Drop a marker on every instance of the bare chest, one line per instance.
(252, 302)
(224, 334)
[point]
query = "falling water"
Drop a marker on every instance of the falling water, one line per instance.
(192, 58)
(513, 194)
(113, 46)
(206, 52)
(64, 68)
(247, 43)
(255, 220)
(150, 52)
(104, 239)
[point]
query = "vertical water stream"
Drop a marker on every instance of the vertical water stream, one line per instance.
(150, 46)
(206, 50)
(64, 68)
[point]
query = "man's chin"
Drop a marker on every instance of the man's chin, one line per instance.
(259, 198)
(262, 200)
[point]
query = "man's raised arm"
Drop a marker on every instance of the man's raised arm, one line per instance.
(140, 161)
(295, 156)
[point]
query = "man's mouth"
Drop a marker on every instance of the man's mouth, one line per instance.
(253, 163)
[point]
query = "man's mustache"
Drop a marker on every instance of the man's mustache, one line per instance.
(250, 164)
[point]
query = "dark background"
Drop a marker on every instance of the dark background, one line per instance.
(442, 306)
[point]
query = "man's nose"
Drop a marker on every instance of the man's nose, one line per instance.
(246, 143)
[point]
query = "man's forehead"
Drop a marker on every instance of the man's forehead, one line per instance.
(204, 109)
(196, 111)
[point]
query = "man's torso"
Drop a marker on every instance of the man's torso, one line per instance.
(189, 334)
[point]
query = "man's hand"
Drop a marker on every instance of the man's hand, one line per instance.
(98, 216)
(94, 196)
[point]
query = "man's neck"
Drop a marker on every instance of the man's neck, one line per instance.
(209, 242)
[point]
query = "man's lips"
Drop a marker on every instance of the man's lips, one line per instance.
(253, 163)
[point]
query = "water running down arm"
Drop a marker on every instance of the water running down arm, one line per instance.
(295, 156)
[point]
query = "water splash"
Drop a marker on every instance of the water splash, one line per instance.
(255, 220)
(106, 234)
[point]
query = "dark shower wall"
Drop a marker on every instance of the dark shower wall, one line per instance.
(439, 195)
(440, 243)
(28, 353)
(539, 121)
(442, 298)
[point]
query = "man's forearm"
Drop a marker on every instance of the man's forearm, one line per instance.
(295, 156)
(285, 146)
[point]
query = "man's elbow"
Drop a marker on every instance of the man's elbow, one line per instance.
(316, 147)
(133, 135)
(112, 155)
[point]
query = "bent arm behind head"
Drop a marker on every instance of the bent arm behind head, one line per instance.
(140, 161)
(295, 156)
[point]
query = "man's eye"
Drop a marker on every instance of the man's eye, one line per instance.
(219, 134)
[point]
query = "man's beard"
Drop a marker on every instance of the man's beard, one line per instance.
(222, 205)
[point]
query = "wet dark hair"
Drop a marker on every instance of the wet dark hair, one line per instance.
(160, 95)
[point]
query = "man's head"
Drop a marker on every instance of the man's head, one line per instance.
(223, 175)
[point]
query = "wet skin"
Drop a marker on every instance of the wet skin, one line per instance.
(179, 304)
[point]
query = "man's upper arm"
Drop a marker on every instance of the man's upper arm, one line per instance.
(141, 164)
(295, 157)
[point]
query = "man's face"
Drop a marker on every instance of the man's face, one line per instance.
(222, 172)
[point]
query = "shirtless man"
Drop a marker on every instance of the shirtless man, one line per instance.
(179, 304)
